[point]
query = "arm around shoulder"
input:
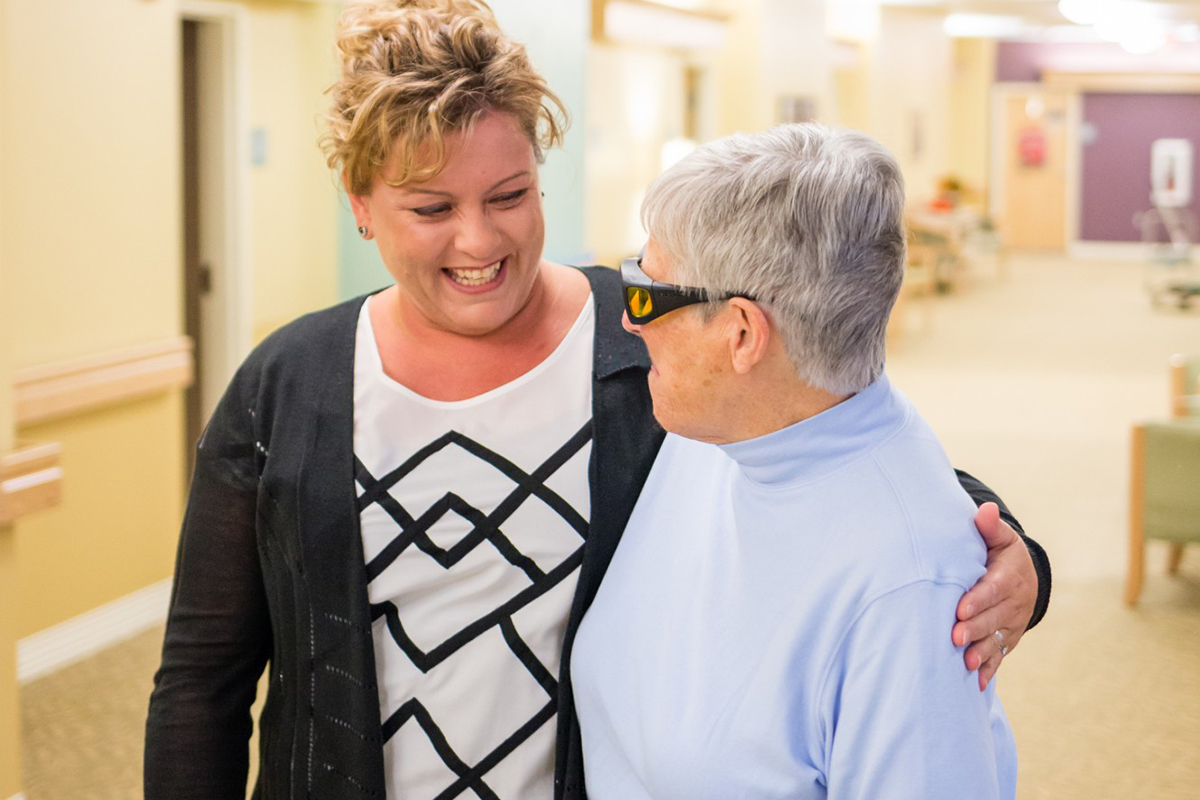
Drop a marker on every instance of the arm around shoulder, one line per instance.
(980, 493)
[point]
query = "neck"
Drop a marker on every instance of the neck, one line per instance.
(447, 365)
(769, 398)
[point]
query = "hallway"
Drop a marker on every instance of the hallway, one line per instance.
(1032, 381)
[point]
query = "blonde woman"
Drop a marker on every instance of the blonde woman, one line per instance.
(405, 503)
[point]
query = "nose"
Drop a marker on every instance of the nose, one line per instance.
(477, 235)
(636, 330)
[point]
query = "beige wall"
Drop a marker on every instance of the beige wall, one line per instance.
(90, 165)
(970, 115)
(634, 104)
(90, 250)
(90, 240)
(117, 528)
(293, 195)
(775, 48)
(852, 87)
(909, 96)
(10, 764)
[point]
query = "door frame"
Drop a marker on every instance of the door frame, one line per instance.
(1001, 92)
(232, 279)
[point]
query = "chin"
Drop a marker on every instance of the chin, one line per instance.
(667, 421)
(481, 320)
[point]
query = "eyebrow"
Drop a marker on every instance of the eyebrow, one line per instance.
(491, 188)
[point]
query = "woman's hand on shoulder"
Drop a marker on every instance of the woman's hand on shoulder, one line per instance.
(994, 614)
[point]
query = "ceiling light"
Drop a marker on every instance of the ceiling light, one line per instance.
(1083, 12)
(983, 26)
(1143, 39)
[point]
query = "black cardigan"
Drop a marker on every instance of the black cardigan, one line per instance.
(270, 567)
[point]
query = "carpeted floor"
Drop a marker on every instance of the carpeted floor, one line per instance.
(1032, 382)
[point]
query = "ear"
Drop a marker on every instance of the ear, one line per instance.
(749, 334)
(358, 203)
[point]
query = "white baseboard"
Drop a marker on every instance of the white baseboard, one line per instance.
(65, 643)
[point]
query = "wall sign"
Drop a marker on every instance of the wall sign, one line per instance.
(1171, 173)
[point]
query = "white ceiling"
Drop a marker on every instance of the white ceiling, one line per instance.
(1045, 12)
(1139, 25)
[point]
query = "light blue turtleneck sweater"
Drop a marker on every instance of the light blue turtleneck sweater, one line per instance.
(776, 623)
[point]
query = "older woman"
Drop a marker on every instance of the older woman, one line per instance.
(772, 624)
(406, 502)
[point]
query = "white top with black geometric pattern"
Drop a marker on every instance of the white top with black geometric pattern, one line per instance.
(473, 517)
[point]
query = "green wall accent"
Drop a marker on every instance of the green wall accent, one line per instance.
(556, 34)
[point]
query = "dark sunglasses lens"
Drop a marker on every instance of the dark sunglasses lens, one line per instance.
(639, 301)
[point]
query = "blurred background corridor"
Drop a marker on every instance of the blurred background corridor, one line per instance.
(164, 206)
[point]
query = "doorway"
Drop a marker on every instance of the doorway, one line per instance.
(215, 269)
(1032, 163)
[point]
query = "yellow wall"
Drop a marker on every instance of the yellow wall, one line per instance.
(293, 195)
(91, 253)
(970, 115)
(10, 764)
(774, 48)
(909, 95)
(91, 256)
(739, 70)
(634, 104)
(117, 528)
(91, 176)
(852, 87)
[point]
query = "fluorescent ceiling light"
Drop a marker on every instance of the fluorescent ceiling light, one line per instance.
(1083, 12)
(983, 26)
(1068, 33)
(1141, 41)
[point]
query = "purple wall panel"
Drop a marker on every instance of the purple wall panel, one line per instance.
(1026, 61)
(1116, 165)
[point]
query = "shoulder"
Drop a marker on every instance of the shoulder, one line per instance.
(294, 361)
(616, 349)
(311, 334)
(933, 516)
(305, 345)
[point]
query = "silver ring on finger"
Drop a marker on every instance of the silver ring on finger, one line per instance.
(1000, 641)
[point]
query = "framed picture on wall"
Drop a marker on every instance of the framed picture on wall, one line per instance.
(1171, 173)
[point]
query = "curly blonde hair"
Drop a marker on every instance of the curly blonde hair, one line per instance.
(416, 70)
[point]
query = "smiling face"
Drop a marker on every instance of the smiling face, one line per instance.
(689, 362)
(464, 247)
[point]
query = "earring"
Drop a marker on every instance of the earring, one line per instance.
(363, 232)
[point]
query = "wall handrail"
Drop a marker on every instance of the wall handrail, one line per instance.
(72, 387)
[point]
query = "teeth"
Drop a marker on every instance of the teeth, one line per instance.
(475, 277)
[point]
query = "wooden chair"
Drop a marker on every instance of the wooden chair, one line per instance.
(1165, 492)
(1165, 477)
(1185, 402)
(1185, 386)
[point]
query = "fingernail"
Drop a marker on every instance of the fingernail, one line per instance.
(969, 610)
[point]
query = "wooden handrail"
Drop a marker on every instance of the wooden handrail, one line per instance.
(30, 480)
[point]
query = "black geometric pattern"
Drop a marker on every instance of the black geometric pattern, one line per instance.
(486, 528)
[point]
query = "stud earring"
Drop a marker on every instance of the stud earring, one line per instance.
(363, 232)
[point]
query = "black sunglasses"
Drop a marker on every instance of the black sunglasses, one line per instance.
(647, 299)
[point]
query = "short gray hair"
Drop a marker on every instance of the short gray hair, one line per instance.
(807, 220)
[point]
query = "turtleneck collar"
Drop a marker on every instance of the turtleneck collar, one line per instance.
(813, 447)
